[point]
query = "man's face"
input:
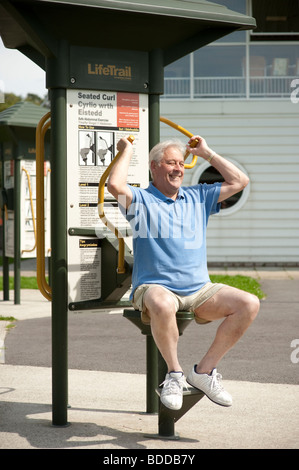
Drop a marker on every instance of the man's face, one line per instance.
(169, 173)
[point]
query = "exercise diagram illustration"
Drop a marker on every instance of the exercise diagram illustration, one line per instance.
(95, 148)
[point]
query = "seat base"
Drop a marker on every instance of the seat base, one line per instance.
(156, 370)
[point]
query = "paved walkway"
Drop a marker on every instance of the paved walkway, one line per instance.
(108, 408)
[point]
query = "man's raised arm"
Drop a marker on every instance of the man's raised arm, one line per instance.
(234, 179)
(117, 182)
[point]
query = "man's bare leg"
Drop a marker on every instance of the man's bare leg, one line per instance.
(239, 309)
(161, 309)
(162, 312)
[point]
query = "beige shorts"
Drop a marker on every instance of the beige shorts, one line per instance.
(183, 303)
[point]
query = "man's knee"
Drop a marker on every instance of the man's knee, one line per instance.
(158, 301)
(251, 306)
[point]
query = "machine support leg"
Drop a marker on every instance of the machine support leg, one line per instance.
(152, 399)
(166, 420)
(59, 259)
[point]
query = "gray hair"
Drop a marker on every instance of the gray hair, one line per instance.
(157, 152)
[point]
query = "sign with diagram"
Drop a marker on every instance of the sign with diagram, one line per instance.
(96, 120)
(27, 210)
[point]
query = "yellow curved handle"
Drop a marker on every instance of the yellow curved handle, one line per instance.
(176, 126)
(186, 133)
(121, 244)
(194, 159)
(41, 129)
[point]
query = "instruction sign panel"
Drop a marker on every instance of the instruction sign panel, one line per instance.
(28, 209)
(96, 120)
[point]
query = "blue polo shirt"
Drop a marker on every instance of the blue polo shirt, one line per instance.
(169, 237)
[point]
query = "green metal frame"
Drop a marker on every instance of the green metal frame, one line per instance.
(17, 138)
(36, 28)
(59, 258)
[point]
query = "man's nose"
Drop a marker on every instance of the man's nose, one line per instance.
(178, 166)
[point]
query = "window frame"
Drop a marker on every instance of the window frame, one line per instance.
(238, 88)
(245, 192)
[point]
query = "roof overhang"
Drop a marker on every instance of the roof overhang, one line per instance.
(177, 27)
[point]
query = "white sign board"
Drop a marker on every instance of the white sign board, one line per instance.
(96, 120)
(28, 209)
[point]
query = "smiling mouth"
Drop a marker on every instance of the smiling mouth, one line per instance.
(175, 177)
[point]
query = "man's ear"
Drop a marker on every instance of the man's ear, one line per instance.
(153, 165)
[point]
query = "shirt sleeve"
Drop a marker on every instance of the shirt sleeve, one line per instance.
(212, 193)
(126, 212)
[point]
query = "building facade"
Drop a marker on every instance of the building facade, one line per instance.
(242, 94)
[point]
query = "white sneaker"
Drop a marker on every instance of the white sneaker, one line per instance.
(210, 385)
(172, 391)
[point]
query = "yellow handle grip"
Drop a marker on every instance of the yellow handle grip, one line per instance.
(43, 286)
(101, 192)
(188, 134)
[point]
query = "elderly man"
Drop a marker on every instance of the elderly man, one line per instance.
(170, 263)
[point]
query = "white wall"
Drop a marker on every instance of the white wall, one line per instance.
(262, 136)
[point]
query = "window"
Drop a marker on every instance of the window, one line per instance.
(219, 72)
(245, 64)
(205, 173)
(272, 69)
(177, 78)
(275, 19)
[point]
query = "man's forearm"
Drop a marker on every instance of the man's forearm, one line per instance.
(234, 179)
(119, 172)
(117, 181)
(231, 174)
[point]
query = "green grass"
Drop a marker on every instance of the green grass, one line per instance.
(11, 321)
(26, 283)
(245, 283)
(2, 318)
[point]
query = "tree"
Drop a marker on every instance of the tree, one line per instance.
(34, 98)
(10, 99)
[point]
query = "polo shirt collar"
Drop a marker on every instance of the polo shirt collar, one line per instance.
(160, 195)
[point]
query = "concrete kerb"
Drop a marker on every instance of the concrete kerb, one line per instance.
(259, 272)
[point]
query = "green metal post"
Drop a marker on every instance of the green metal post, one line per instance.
(154, 114)
(59, 257)
(152, 399)
(5, 263)
(17, 229)
(156, 83)
(166, 420)
(156, 74)
(5, 268)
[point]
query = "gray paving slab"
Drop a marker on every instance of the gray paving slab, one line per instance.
(107, 412)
